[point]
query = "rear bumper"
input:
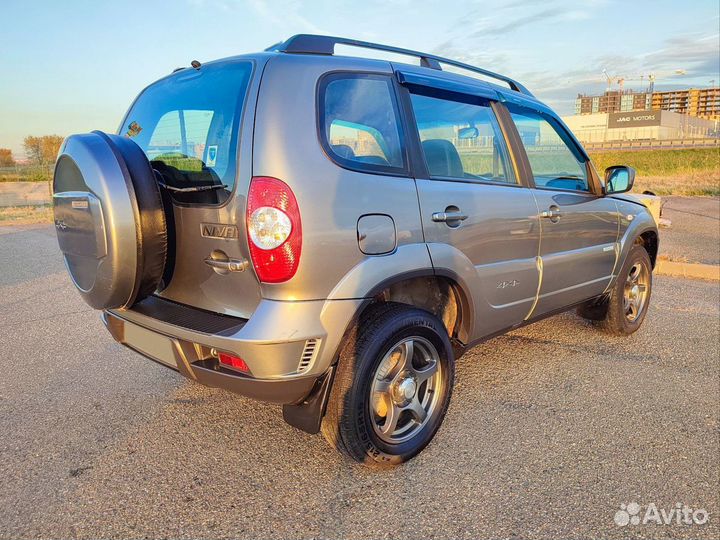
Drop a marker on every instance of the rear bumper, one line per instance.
(286, 345)
(190, 361)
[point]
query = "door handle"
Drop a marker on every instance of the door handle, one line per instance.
(229, 265)
(448, 216)
(553, 213)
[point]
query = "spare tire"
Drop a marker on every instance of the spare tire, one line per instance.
(109, 219)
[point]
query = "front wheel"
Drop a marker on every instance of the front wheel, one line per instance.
(392, 386)
(625, 309)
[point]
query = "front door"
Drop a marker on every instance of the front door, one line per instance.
(476, 215)
(579, 227)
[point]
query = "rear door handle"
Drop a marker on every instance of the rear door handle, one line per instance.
(229, 265)
(448, 216)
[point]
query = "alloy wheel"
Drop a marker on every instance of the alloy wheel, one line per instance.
(406, 389)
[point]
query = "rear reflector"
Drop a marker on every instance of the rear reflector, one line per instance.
(234, 362)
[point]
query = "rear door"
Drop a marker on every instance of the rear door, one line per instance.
(579, 225)
(474, 210)
(190, 125)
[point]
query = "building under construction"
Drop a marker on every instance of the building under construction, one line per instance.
(699, 102)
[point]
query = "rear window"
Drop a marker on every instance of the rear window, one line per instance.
(187, 125)
(360, 122)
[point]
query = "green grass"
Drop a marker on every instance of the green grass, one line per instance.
(669, 172)
(26, 173)
(662, 162)
(689, 172)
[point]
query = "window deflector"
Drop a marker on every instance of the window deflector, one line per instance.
(449, 87)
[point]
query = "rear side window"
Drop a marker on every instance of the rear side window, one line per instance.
(461, 140)
(187, 125)
(554, 160)
(359, 122)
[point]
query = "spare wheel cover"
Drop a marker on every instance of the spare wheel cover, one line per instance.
(112, 234)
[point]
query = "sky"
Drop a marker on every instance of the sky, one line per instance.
(74, 66)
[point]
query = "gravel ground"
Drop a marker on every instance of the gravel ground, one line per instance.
(550, 430)
(695, 232)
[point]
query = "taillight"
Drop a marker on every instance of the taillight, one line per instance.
(274, 229)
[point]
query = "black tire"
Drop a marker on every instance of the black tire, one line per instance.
(347, 424)
(152, 215)
(610, 315)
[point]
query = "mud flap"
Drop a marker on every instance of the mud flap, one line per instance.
(307, 415)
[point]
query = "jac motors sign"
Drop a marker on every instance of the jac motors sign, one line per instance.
(634, 119)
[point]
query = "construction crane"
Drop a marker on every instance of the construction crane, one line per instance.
(609, 79)
(622, 80)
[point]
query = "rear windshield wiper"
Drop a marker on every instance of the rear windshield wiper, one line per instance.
(191, 189)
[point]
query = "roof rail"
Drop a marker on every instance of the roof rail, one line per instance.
(315, 44)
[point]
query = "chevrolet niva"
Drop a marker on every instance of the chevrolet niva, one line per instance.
(332, 232)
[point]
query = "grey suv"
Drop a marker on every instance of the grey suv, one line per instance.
(332, 232)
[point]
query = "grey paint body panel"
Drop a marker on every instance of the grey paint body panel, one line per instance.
(635, 220)
(331, 199)
(579, 250)
(499, 243)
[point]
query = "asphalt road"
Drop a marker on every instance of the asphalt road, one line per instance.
(695, 232)
(550, 430)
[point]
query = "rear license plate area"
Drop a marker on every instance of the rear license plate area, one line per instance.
(157, 346)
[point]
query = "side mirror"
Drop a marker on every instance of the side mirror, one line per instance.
(468, 133)
(619, 179)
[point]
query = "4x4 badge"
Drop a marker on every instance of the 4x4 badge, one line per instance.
(218, 230)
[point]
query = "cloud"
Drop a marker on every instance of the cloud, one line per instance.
(680, 60)
(283, 13)
(488, 59)
(489, 28)
(492, 19)
(695, 54)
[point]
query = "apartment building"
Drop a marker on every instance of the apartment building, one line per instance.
(700, 102)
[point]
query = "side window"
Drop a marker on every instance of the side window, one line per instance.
(359, 121)
(461, 140)
(553, 162)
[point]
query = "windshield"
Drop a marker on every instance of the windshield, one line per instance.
(187, 125)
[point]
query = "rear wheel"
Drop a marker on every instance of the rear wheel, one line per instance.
(392, 387)
(624, 310)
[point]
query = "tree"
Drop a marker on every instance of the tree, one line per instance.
(42, 150)
(6, 158)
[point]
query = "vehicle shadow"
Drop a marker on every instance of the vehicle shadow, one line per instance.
(211, 463)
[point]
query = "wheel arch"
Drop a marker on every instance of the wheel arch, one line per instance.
(438, 291)
(650, 241)
(441, 293)
(641, 230)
